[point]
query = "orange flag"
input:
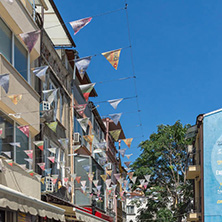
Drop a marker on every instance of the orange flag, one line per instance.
(78, 179)
(109, 172)
(88, 138)
(104, 177)
(128, 141)
(15, 98)
(113, 57)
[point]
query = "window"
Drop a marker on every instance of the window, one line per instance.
(130, 210)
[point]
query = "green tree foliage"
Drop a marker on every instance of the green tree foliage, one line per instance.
(164, 157)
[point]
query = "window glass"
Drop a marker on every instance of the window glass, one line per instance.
(6, 41)
(21, 59)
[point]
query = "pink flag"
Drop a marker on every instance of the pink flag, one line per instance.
(41, 165)
(29, 153)
(80, 108)
(24, 129)
(117, 176)
(79, 24)
(52, 159)
(66, 179)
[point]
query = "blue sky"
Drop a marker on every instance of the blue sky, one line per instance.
(177, 50)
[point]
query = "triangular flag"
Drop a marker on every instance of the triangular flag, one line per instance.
(89, 138)
(128, 169)
(83, 123)
(9, 154)
(130, 174)
(23, 166)
(115, 117)
(117, 175)
(80, 108)
(142, 181)
(113, 57)
(101, 145)
(52, 126)
(114, 102)
(39, 144)
(43, 180)
(82, 65)
(73, 176)
(54, 180)
(15, 144)
(128, 141)
(127, 163)
(40, 72)
(134, 179)
(122, 152)
(9, 162)
(120, 180)
(121, 193)
(86, 168)
(99, 187)
(145, 184)
(108, 182)
(83, 189)
(41, 165)
(125, 182)
(50, 94)
(109, 172)
(147, 177)
(29, 153)
(64, 142)
(24, 129)
(128, 155)
(29, 160)
(79, 24)
(95, 182)
(86, 89)
(104, 177)
(30, 39)
(15, 98)
(115, 134)
(30, 172)
(48, 171)
(4, 82)
(51, 158)
(83, 182)
(78, 179)
(52, 150)
(90, 176)
(66, 179)
(15, 115)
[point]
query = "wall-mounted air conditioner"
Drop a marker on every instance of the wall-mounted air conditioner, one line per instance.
(76, 139)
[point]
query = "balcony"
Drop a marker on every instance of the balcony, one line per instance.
(193, 171)
(28, 106)
(194, 217)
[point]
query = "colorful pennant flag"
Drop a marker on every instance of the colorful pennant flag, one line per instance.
(64, 142)
(95, 182)
(8, 154)
(101, 145)
(24, 129)
(15, 98)
(40, 72)
(109, 172)
(15, 115)
(4, 82)
(103, 177)
(108, 182)
(90, 176)
(120, 180)
(117, 175)
(78, 179)
(83, 189)
(122, 152)
(83, 182)
(147, 177)
(9, 162)
(66, 179)
(43, 180)
(82, 65)
(142, 181)
(99, 187)
(115, 102)
(15, 144)
(30, 172)
(29, 160)
(48, 171)
(23, 166)
(86, 89)
(30, 38)
(39, 144)
(52, 126)
(145, 185)
(115, 134)
(52, 150)
(130, 174)
(73, 176)
(51, 158)
(89, 138)
(50, 94)
(86, 168)
(128, 141)
(127, 163)
(128, 155)
(29, 153)
(80, 108)
(134, 179)
(83, 123)
(113, 57)
(41, 165)
(115, 117)
(79, 24)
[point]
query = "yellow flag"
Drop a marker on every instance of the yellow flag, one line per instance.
(15, 98)
(109, 172)
(88, 138)
(128, 141)
(113, 57)
(43, 180)
(52, 126)
(115, 134)
(104, 177)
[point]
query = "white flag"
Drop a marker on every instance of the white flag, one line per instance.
(115, 102)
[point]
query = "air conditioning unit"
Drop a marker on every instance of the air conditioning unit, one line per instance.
(109, 166)
(76, 139)
(49, 185)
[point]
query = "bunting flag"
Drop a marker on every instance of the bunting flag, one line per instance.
(43, 180)
(127, 163)
(142, 181)
(147, 177)
(79, 24)
(117, 175)
(83, 189)
(108, 182)
(4, 82)
(104, 176)
(121, 193)
(15, 98)
(16, 115)
(128, 169)
(130, 174)
(66, 179)
(86, 168)
(39, 144)
(145, 185)
(109, 189)
(95, 182)
(128, 155)
(114, 187)
(30, 172)
(50, 94)
(24, 129)
(120, 180)
(97, 151)
(86, 89)
(101, 145)
(29, 153)
(51, 158)
(15, 144)
(115, 134)
(48, 171)
(122, 152)
(82, 65)
(83, 182)
(73, 176)
(113, 57)
(90, 176)
(23, 166)
(115, 117)
(89, 138)
(52, 126)
(83, 123)
(80, 108)
(29, 160)
(54, 180)
(52, 150)
(134, 179)
(125, 182)
(78, 179)
(109, 172)
(30, 38)
(115, 102)
(99, 187)
(8, 154)
(9, 162)
(64, 142)
(40, 72)
(41, 165)
(128, 141)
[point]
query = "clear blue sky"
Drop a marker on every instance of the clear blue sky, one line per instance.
(177, 49)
